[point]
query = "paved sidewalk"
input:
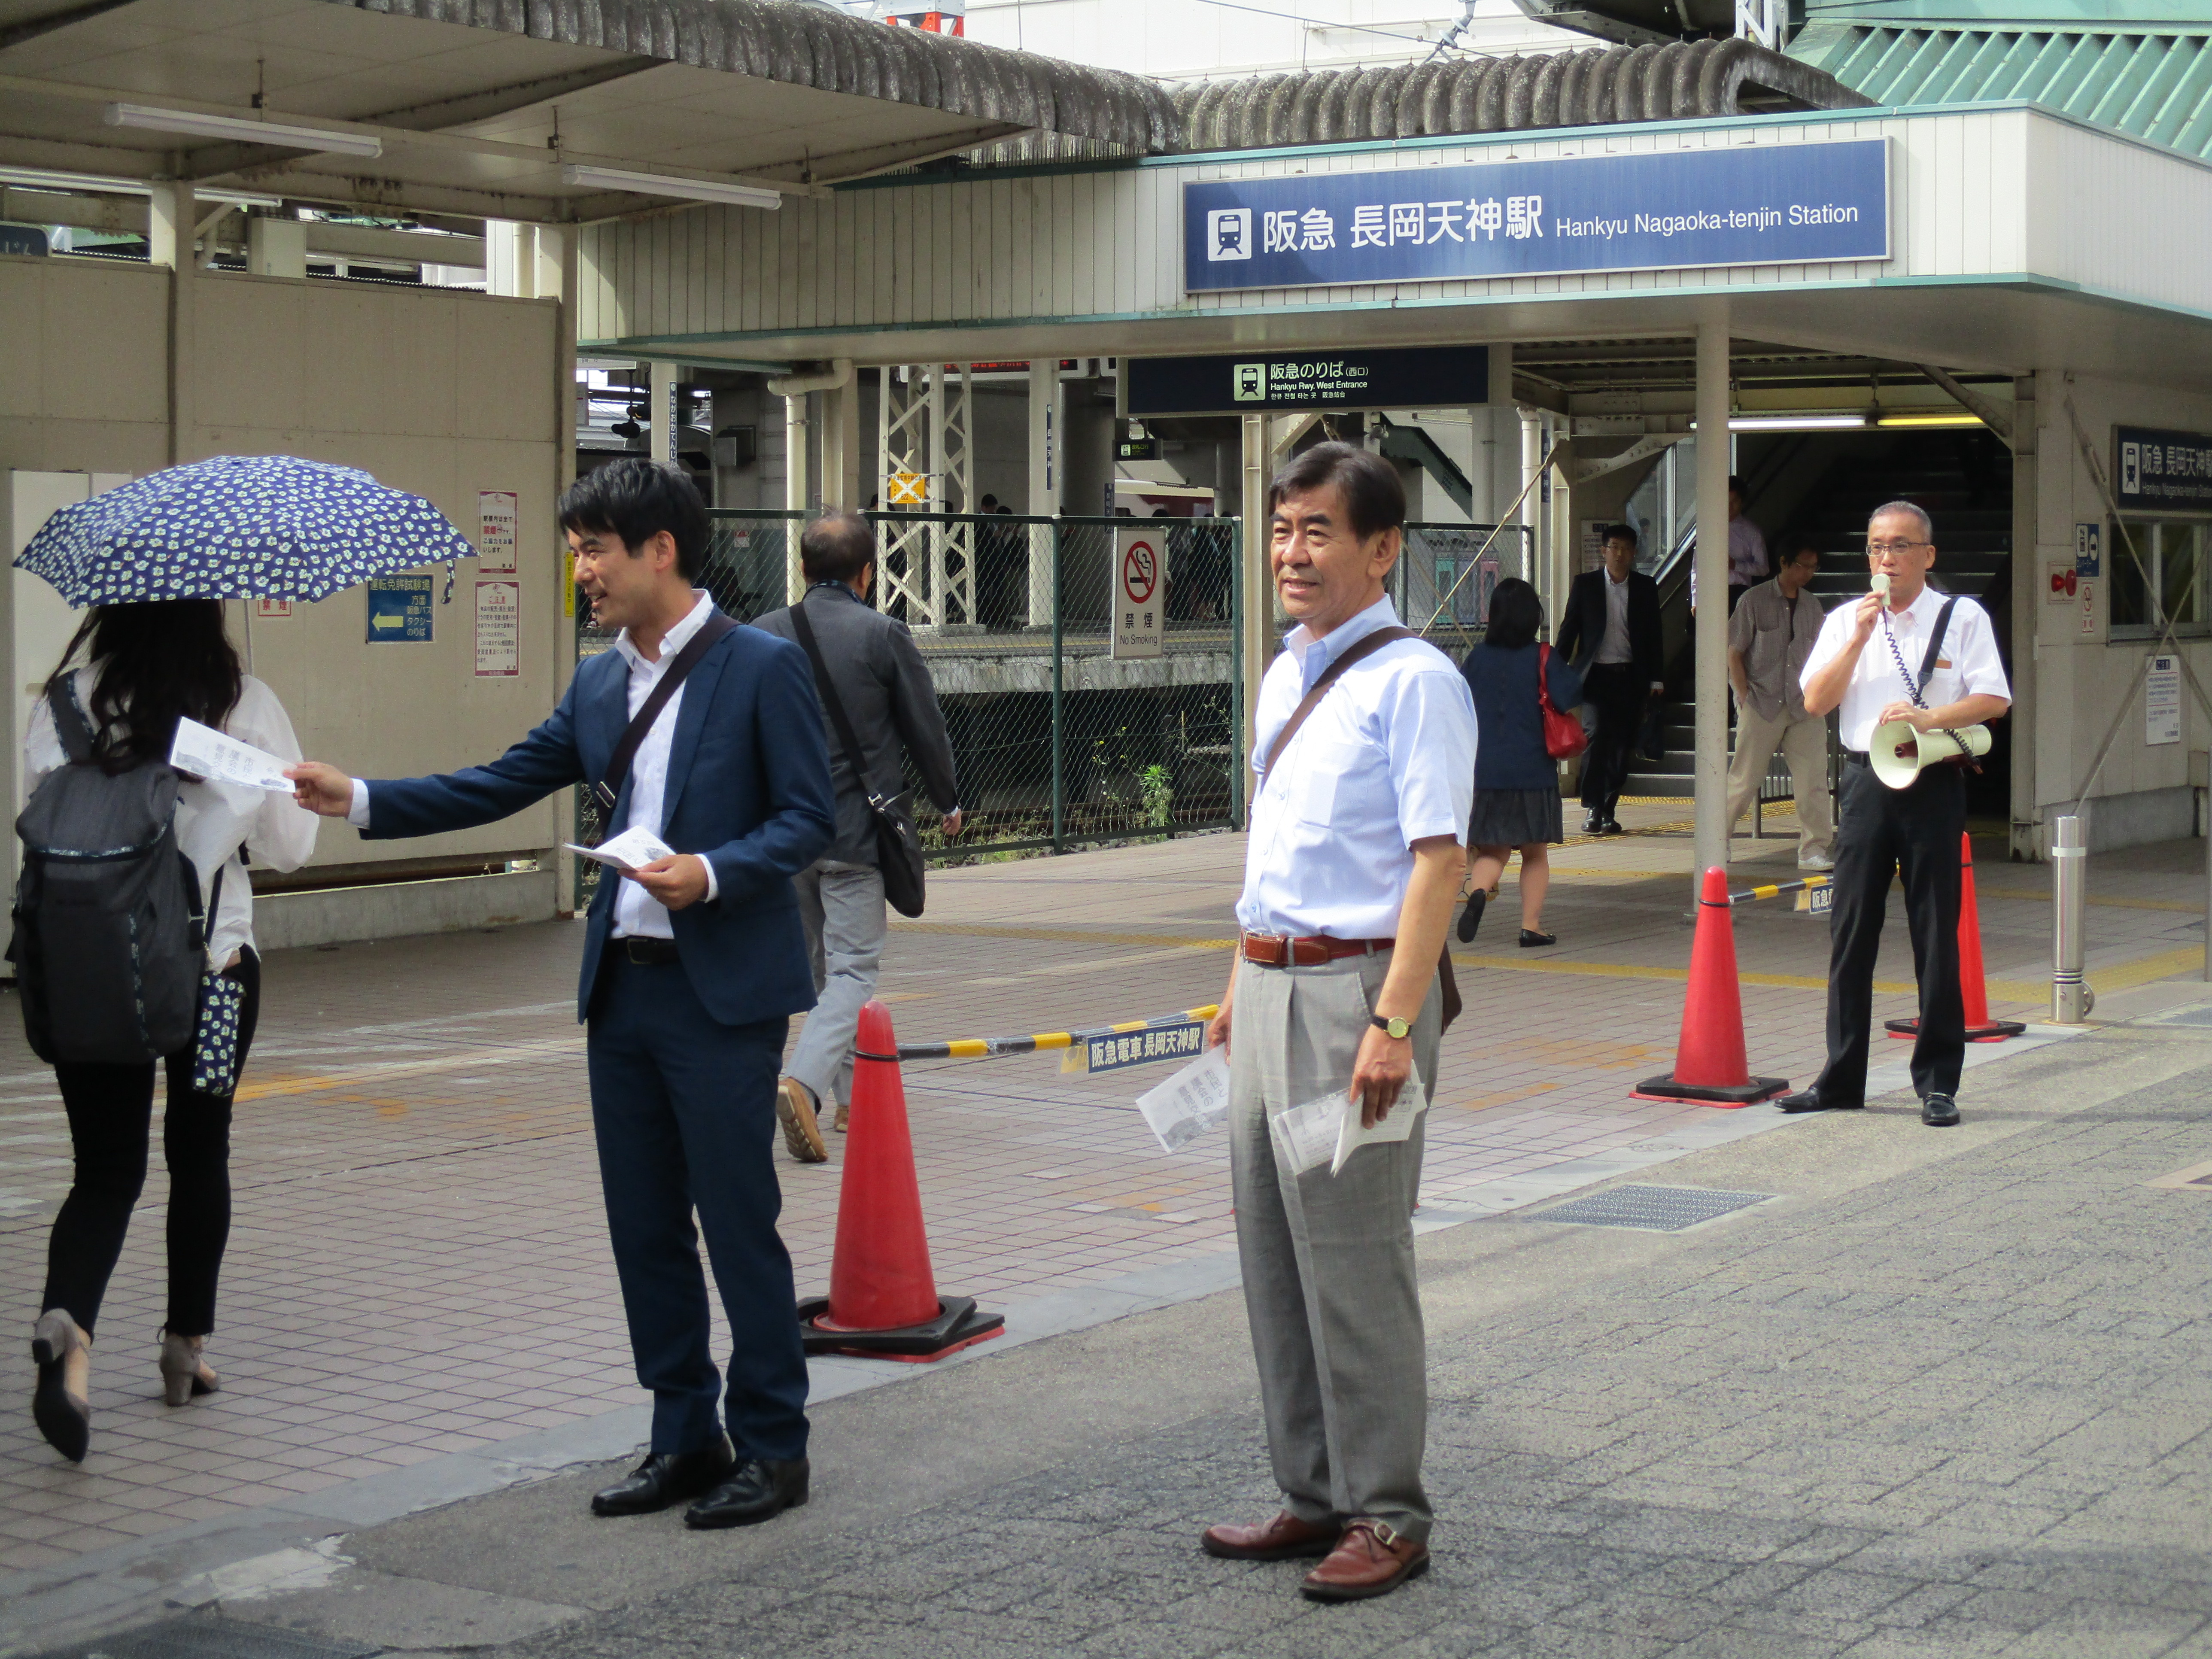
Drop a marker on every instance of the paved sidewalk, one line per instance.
(418, 1271)
(1939, 1394)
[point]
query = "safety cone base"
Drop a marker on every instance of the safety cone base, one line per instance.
(1995, 1031)
(959, 1324)
(1749, 1092)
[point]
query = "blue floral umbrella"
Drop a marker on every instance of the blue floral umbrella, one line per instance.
(238, 527)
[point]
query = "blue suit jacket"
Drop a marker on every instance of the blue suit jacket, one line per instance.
(748, 791)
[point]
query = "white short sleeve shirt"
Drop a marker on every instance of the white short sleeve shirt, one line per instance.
(1967, 665)
(1386, 759)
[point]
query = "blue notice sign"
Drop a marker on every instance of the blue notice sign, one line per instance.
(399, 610)
(1185, 1040)
(1747, 205)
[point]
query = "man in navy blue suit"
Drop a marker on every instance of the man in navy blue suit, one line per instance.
(693, 964)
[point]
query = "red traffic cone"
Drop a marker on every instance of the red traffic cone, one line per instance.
(883, 1301)
(1710, 1067)
(1973, 985)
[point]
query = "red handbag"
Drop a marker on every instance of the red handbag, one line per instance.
(1564, 736)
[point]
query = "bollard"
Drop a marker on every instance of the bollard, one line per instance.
(2070, 998)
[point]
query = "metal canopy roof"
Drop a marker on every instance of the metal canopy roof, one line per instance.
(478, 104)
(2155, 84)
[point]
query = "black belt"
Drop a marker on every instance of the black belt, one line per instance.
(647, 952)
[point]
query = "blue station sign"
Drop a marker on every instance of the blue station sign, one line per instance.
(1747, 205)
(399, 609)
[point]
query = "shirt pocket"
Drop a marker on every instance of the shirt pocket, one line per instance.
(1328, 774)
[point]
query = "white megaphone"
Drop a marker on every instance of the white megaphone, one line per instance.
(1899, 753)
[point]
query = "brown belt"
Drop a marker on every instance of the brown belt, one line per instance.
(1281, 950)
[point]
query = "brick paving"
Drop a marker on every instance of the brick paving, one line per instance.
(418, 1264)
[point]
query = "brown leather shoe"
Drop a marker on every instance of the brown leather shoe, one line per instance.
(1285, 1538)
(1370, 1560)
(794, 1110)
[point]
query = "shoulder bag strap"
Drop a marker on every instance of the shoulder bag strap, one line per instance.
(70, 723)
(608, 790)
(1330, 676)
(1543, 674)
(1934, 650)
(833, 705)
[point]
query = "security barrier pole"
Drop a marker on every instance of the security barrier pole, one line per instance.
(2070, 998)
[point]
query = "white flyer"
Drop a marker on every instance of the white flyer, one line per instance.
(1195, 1099)
(1412, 1101)
(1327, 1130)
(626, 852)
(207, 753)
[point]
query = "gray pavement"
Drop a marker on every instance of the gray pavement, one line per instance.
(1945, 1393)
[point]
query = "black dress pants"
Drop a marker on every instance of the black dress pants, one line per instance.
(1615, 694)
(1885, 833)
(110, 1110)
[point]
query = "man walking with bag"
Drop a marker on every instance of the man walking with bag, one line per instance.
(1365, 740)
(878, 706)
(703, 733)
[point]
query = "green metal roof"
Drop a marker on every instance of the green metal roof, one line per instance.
(2155, 84)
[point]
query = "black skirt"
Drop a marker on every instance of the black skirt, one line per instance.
(1514, 817)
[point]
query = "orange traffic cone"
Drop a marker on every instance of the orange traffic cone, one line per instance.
(883, 1301)
(1709, 1061)
(1973, 986)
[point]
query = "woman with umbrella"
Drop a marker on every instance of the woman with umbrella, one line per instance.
(152, 562)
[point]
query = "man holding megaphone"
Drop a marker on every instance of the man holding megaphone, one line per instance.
(1916, 675)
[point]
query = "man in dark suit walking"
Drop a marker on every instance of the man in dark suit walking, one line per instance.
(1610, 634)
(693, 964)
(884, 686)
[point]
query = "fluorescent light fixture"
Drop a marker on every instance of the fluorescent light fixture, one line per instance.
(1929, 420)
(663, 184)
(241, 129)
(1794, 423)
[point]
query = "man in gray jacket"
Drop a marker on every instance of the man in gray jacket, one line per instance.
(880, 677)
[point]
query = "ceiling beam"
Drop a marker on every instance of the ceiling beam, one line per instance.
(446, 113)
(16, 34)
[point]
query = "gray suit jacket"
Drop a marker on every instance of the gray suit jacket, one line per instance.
(888, 696)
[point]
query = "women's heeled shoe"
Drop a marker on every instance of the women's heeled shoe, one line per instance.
(185, 1374)
(62, 1406)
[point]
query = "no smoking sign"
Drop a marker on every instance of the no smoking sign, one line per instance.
(1140, 593)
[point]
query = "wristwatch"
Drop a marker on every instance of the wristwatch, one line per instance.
(1396, 1029)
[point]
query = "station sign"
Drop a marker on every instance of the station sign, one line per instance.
(1247, 382)
(399, 609)
(1182, 1040)
(1140, 595)
(1752, 204)
(2161, 472)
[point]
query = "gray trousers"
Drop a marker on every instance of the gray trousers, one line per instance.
(1330, 1282)
(842, 907)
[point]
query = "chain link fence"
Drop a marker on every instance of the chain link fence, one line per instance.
(1443, 580)
(1058, 742)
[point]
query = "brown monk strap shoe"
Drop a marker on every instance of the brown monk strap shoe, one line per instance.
(1285, 1538)
(1370, 1560)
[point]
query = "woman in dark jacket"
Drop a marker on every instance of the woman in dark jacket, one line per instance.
(1517, 782)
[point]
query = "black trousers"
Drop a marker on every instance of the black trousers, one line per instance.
(1615, 693)
(1913, 834)
(111, 1110)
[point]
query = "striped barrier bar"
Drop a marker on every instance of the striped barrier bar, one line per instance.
(1038, 1041)
(1775, 890)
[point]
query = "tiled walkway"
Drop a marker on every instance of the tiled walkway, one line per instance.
(419, 1263)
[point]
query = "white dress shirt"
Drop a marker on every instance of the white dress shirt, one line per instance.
(213, 820)
(1614, 646)
(1386, 759)
(1967, 665)
(637, 912)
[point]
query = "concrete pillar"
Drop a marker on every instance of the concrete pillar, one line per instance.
(170, 227)
(841, 446)
(1044, 483)
(275, 247)
(1711, 627)
(1528, 490)
(1258, 590)
(2028, 601)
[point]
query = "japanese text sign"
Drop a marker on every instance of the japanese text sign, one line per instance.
(2163, 471)
(1140, 593)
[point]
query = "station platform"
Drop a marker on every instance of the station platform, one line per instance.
(419, 1271)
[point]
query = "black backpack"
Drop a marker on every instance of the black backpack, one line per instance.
(109, 945)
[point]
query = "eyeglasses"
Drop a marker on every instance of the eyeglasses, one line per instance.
(1878, 550)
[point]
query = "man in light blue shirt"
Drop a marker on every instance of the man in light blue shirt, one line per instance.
(1365, 739)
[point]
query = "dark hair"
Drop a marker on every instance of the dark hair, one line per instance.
(1374, 496)
(837, 547)
(1622, 532)
(157, 662)
(634, 500)
(1792, 545)
(1515, 615)
(1735, 484)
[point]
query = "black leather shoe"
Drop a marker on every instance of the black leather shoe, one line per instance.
(761, 1490)
(1811, 1100)
(1939, 1111)
(1611, 826)
(1593, 823)
(665, 1478)
(1471, 918)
